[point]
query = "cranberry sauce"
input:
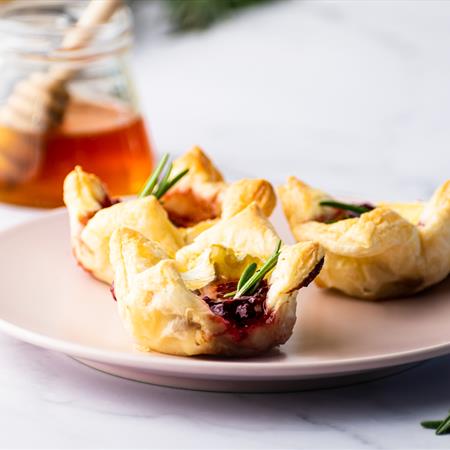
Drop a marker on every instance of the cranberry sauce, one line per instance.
(342, 214)
(186, 208)
(108, 201)
(313, 274)
(368, 206)
(241, 312)
(105, 203)
(113, 292)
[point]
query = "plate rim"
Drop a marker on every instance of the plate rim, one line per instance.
(215, 368)
(156, 362)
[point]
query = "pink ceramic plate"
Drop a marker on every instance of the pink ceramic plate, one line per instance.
(50, 302)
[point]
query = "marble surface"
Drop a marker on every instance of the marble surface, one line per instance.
(51, 401)
(352, 96)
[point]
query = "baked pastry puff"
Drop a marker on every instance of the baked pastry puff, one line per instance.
(193, 205)
(178, 306)
(94, 217)
(393, 249)
(203, 195)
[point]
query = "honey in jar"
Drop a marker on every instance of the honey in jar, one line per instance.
(107, 140)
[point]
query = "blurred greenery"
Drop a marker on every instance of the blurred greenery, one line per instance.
(199, 14)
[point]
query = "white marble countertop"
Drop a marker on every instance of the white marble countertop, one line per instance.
(352, 96)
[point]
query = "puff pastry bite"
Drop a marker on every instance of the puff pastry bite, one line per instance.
(94, 217)
(391, 249)
(191, 206)
(203, 195)
(179, 306)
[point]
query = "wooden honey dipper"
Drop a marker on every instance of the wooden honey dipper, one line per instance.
(37, 103)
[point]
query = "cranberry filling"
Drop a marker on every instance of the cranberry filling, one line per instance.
(248, 310)
(105, 203)
(313, 274)
(186, 209)
(368, 206)
(342, 214)
(113, 292)
(108, 201)
(243, 311)
(183, 221)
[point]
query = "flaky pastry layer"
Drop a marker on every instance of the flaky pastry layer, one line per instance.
(159, 299)
(193, 205)
(395, 249)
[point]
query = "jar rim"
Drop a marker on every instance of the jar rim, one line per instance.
(38, 28)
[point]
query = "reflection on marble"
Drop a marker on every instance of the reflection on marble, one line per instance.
(351, 96)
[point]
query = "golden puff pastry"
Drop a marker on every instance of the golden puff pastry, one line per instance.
(94, 217)
(178, 306)
(203, 195)
(198, 200)
(393, 249)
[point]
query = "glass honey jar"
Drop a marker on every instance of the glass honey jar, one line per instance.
(101, 128)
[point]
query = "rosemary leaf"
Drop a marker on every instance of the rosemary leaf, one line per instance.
(431, 424)
(346, 206)
(253, 282)
(163, 182)
(157, 187)
(170, 183)
(247, 274)
(153, 179)
(187, 15)
(444, 427)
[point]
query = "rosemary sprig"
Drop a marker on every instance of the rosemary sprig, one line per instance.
(186, 15)
(155, 186)
(247, 274)
(441, 426)
(346, 206)
(431, 424)
(153, 179)
(251, 278)
(163, 181)
(444, 427)
(170, 183)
